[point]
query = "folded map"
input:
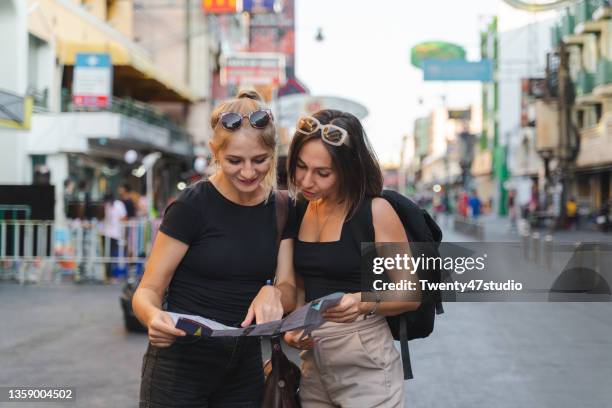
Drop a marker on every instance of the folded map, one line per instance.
(308, 317)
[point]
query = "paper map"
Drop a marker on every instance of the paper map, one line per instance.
(308, 317)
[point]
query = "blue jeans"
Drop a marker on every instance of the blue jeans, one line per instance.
(208, 373)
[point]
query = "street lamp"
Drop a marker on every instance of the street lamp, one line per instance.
(319, 37)
(148, 162)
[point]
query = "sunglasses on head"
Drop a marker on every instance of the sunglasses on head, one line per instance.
(331, 134)
(258, 119)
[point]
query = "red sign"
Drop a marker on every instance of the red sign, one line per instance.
(253, 69)
(219, 6)
(90, 101)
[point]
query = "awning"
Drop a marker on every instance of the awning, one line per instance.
(134, 72)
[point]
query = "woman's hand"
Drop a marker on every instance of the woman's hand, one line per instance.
(346, 311)
(292, 338)
(266, 306)
(162, 332)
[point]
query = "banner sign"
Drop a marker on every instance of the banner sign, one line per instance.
(261, 6)
(458, 70)
(93, 81)
(219, 6)
(460, 114)
(252, 68)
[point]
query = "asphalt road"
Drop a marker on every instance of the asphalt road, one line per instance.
(480, 354)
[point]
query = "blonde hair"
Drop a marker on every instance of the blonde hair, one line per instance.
(244, 103)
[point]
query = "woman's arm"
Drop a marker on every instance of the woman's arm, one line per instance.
(165, 256)
(387, 228)
(285, 275)
(273, 301)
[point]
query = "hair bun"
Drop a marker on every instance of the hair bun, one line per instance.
(250, 94)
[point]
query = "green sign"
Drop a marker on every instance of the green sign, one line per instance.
(435, 50)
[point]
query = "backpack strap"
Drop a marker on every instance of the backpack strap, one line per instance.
(281, 210)
(405, 349)
(281, 201)
(362, 224)
(362, 230)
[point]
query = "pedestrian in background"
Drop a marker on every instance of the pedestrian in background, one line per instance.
(214, 252)
(512, 210)
(125, 195)
(112, 232)
(571, 211)
(603, 219)
(475, 205)
(350, 360)
(86, 211)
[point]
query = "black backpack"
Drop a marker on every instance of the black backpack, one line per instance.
(424, 236)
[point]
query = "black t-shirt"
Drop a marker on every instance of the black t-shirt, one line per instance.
(232, 252)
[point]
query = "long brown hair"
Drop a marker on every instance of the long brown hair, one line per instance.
(359, 173)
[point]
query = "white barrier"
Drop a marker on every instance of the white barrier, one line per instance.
(43, 251)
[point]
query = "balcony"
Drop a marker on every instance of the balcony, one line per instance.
(568, 23)
(594, 145)
(604, 72)
(603, 77)
(583, 10)
(585, 82)
(602, 10)
(555, 36)
(585, 23)
(131, 121)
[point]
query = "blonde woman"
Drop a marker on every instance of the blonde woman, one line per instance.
(214, 253)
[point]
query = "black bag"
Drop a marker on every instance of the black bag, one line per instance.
(424, 236)
(282, 376)
(282, 379)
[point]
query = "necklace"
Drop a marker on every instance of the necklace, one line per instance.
(321, 226)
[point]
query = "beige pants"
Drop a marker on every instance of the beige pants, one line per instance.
(352, 365)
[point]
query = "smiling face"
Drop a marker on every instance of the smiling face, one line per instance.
(244, 160)
(315, 175)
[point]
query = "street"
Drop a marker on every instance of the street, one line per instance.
(70, 336)
(480, 354)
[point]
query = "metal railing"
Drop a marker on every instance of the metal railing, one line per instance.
(135, 109)
(45, 251)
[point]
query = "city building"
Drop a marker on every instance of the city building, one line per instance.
(137, 95)
(585, 31)
(444, 149)
(521, 76)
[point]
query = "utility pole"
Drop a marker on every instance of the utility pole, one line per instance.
(567, 146)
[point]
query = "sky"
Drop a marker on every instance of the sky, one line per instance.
(365, 56)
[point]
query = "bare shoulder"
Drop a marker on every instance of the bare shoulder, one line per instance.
(381, 208)
(387, 224)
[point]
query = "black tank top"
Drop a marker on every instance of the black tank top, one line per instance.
(335, 266)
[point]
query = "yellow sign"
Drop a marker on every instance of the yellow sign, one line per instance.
(219, 6)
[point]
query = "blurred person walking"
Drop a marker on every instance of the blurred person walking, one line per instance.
(571, 210)
(350, 360)
(475, 205)
(125, 195)
(213, 254)
(512, 209)
(112, 232)
(604, 218)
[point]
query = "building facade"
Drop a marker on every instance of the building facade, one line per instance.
(150, 105)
